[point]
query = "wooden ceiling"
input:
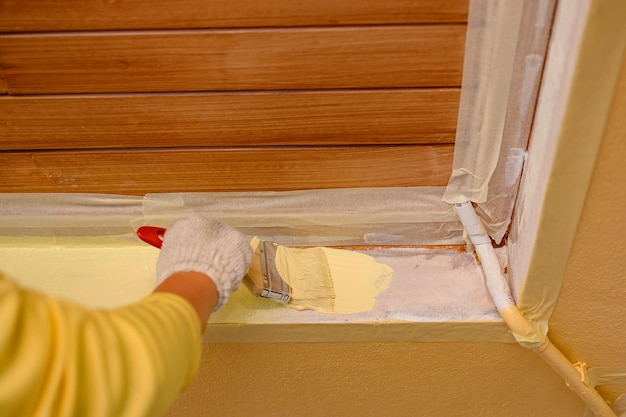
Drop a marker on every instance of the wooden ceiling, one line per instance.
(140, 96)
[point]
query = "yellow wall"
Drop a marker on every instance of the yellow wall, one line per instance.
(362, 379)
(589, 320)
(435, 379)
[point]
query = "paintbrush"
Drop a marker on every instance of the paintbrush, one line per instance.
(298, 277)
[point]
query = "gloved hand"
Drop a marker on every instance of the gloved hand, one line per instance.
(203, 245)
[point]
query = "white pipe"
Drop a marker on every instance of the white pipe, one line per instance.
(501, 294)
(494, 277)
(553, 356)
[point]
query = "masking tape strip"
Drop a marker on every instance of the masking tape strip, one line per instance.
(606, 376)
(363, 216)
(536, 336)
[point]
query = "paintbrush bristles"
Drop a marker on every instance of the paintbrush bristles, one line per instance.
(308, 274)
(254, 277)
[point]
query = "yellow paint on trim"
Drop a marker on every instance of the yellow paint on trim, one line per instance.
(357, 280)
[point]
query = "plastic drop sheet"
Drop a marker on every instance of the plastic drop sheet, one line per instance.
(504, 58)
(492, 32)
(359, 216)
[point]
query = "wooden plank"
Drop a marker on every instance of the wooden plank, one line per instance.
(229, 119)
(54, 15)
(218, 60)
(264, 169)
(4, 88)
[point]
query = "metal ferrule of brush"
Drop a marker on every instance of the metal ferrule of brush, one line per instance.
(274, 287)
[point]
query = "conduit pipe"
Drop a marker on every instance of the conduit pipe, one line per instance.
(500, 292)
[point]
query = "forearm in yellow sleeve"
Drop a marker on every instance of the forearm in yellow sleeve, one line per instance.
(58, 358)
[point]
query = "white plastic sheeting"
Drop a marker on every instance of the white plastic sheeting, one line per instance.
(359, 216)
(504, 56)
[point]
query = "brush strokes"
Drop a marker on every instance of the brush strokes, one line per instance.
(332, 280)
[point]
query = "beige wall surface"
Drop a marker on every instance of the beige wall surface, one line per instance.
(375, 379)
(589, 321)
(435, 379)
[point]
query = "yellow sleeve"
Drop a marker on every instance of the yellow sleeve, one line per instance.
(60, 359)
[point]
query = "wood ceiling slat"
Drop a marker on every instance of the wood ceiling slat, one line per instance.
(264, 169)
(229, 119)
(55, 15)
(258, 59)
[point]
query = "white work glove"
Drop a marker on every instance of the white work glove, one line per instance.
(203, 245)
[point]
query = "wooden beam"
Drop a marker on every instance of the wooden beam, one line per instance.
(54, 15)
(229, 119)
(264, 169)
(218, 60)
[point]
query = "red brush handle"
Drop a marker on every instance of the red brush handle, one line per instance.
(152, 235)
